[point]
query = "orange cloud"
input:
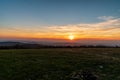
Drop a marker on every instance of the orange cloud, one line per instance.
(108, 29)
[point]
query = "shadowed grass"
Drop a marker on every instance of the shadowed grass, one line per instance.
(59, 63)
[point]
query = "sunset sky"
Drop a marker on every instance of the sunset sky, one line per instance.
(59, 19)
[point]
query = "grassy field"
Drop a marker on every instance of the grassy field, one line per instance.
(59, 63)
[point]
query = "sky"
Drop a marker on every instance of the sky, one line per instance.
(58, 19)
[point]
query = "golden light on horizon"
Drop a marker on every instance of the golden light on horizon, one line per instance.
(71, 37)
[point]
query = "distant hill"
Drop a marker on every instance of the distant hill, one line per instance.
(10, 44)
(33, 45)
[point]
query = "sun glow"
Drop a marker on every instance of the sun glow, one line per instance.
(71, 37)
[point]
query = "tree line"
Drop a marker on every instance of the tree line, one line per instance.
(29, 46)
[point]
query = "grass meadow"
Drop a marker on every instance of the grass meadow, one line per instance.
(59, 63)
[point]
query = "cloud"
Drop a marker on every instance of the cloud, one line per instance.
(108, 28)
(109, 24)
(106, 17)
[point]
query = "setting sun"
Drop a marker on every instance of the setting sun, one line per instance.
(71, 37)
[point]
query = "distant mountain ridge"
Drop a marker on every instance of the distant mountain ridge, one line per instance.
(35, 45)
(19, 45)
(9, 43)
